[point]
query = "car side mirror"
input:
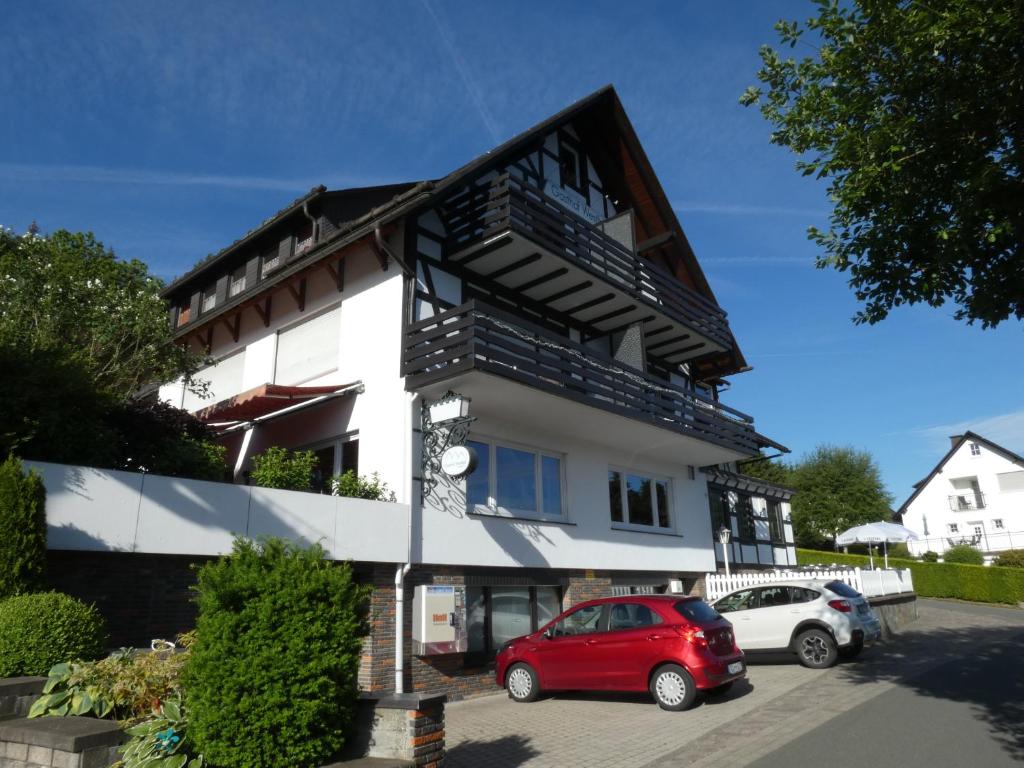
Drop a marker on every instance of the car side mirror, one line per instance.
(549, 633)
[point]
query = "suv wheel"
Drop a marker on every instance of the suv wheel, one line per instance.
(673, 688)
(816, 649)
(521, 682)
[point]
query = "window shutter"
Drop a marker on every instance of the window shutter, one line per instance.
(252, 272)
(194, 305)
(222, 290)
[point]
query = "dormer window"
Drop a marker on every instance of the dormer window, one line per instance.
(209, 298)
(270, 261)
(184, 315)
(237, 281)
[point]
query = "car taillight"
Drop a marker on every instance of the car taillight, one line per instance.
(843, 606)
(692, 635)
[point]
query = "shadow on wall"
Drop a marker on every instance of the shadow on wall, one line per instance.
(71, 536)
(505, 752)
(982, 667)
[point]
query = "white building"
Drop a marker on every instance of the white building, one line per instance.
(974, 495)
(550, 282)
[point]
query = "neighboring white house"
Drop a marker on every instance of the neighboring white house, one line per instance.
(549, 282)
(975, 495)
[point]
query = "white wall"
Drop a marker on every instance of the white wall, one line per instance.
(586, 539)
(931, 508)
(106, 510)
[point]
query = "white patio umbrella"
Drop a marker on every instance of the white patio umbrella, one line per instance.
(876, 533)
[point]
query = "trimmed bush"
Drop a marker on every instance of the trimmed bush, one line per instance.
(22, 530)
(1011, 558)
(40, 630)
(280, 468)
(964, 554)
(930, 557)
(272, 676)
(963, 582)
(361, 487)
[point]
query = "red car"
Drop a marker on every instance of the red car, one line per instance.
(669, 645)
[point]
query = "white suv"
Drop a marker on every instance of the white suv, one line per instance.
(819, 621)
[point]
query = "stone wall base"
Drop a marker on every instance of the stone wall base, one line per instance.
(17, 694)
(894, 612)
(59, 742)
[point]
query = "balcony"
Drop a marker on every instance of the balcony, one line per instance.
(478, 337)
(967, 502)
(513, 234)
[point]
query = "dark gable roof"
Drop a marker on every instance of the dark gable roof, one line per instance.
(604, 98)
(964, 438)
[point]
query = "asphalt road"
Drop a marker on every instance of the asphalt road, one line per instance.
(967, 712)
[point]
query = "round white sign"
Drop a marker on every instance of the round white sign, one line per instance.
(458, 461)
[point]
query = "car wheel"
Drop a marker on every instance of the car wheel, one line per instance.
(673, 688)
(851, 651)
(816, 649)
(521, 683)
(719, 690)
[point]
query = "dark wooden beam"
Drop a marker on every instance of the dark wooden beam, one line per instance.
(208, 341)
(673, 340)
(233, 325)
(509, 268)
(592, 303)
(545, 278)
(382, 258)
(299, 294)
(624, 326)
(337, 271)
(610, 315)
(264, 311)
(658, 331)
(567, 292)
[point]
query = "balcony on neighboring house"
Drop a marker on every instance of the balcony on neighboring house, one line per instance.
(475, 337)
(966, 502)
(512, 233)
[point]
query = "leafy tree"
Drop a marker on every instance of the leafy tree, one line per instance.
(67, 292)
(912, 112)
(280, 468)
(836, 488)
(776, 472)
(22, 530)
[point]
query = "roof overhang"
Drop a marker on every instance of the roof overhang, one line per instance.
(748, 484)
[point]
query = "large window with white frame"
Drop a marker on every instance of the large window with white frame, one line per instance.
(639, 500)
(516, 481)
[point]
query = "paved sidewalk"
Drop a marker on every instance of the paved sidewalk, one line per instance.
(780, 703)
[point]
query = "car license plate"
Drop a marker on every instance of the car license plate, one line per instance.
(735, 668)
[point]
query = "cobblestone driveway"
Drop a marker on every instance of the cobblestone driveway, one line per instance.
(778, 703)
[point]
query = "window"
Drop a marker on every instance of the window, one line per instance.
(269, 261)
(802, 595)
(696, 610)
(631, 616)
(209, 298)
(975, 449)
(997, 524)
(743, 600)
(515, 481)
(745, 517)
(495, 615)
(237, 281)
(773, 597)
(568, 168)
(842, 589)
(583, 621)
(718, 500)
(775, 521)
(308, 349)
(184, 314)
(639, 500)
(335, 458)
(954, 528)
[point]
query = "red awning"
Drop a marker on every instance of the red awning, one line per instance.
(260, 401)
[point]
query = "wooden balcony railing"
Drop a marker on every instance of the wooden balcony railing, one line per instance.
(480, 213)
(475, 336)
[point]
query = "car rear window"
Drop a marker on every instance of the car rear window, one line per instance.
(696, 611)
(842, 589)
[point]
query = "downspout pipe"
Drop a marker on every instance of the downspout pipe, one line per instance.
(305, 210)
(403, 569)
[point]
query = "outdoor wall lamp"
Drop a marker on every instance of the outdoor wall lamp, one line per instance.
(724, 534)
(445, 427)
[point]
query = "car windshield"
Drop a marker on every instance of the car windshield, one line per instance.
(696, 611)
(842, 589)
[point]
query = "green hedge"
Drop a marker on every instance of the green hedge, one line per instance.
(965, 582)
(22, 530)
(46, 628)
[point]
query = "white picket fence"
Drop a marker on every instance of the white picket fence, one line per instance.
(876, 583)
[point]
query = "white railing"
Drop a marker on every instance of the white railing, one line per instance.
(875, 583)
(109, 510)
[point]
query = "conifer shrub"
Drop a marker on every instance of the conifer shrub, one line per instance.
(42, 629)
(22, 530)
(272, 676)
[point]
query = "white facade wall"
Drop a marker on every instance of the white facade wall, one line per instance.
(930, 515)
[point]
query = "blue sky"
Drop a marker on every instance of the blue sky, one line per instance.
(169, 129)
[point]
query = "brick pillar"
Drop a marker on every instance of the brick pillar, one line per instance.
(426, 735)
(586, 585)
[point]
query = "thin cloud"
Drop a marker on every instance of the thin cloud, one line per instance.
(1006, 429)
(88, 174)
(464, 72)
(745, 210)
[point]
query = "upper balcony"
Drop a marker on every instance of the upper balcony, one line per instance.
(967, 502)
(512, 233)
(450, 349)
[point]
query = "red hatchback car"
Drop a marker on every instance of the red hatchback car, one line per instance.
(669, 645)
